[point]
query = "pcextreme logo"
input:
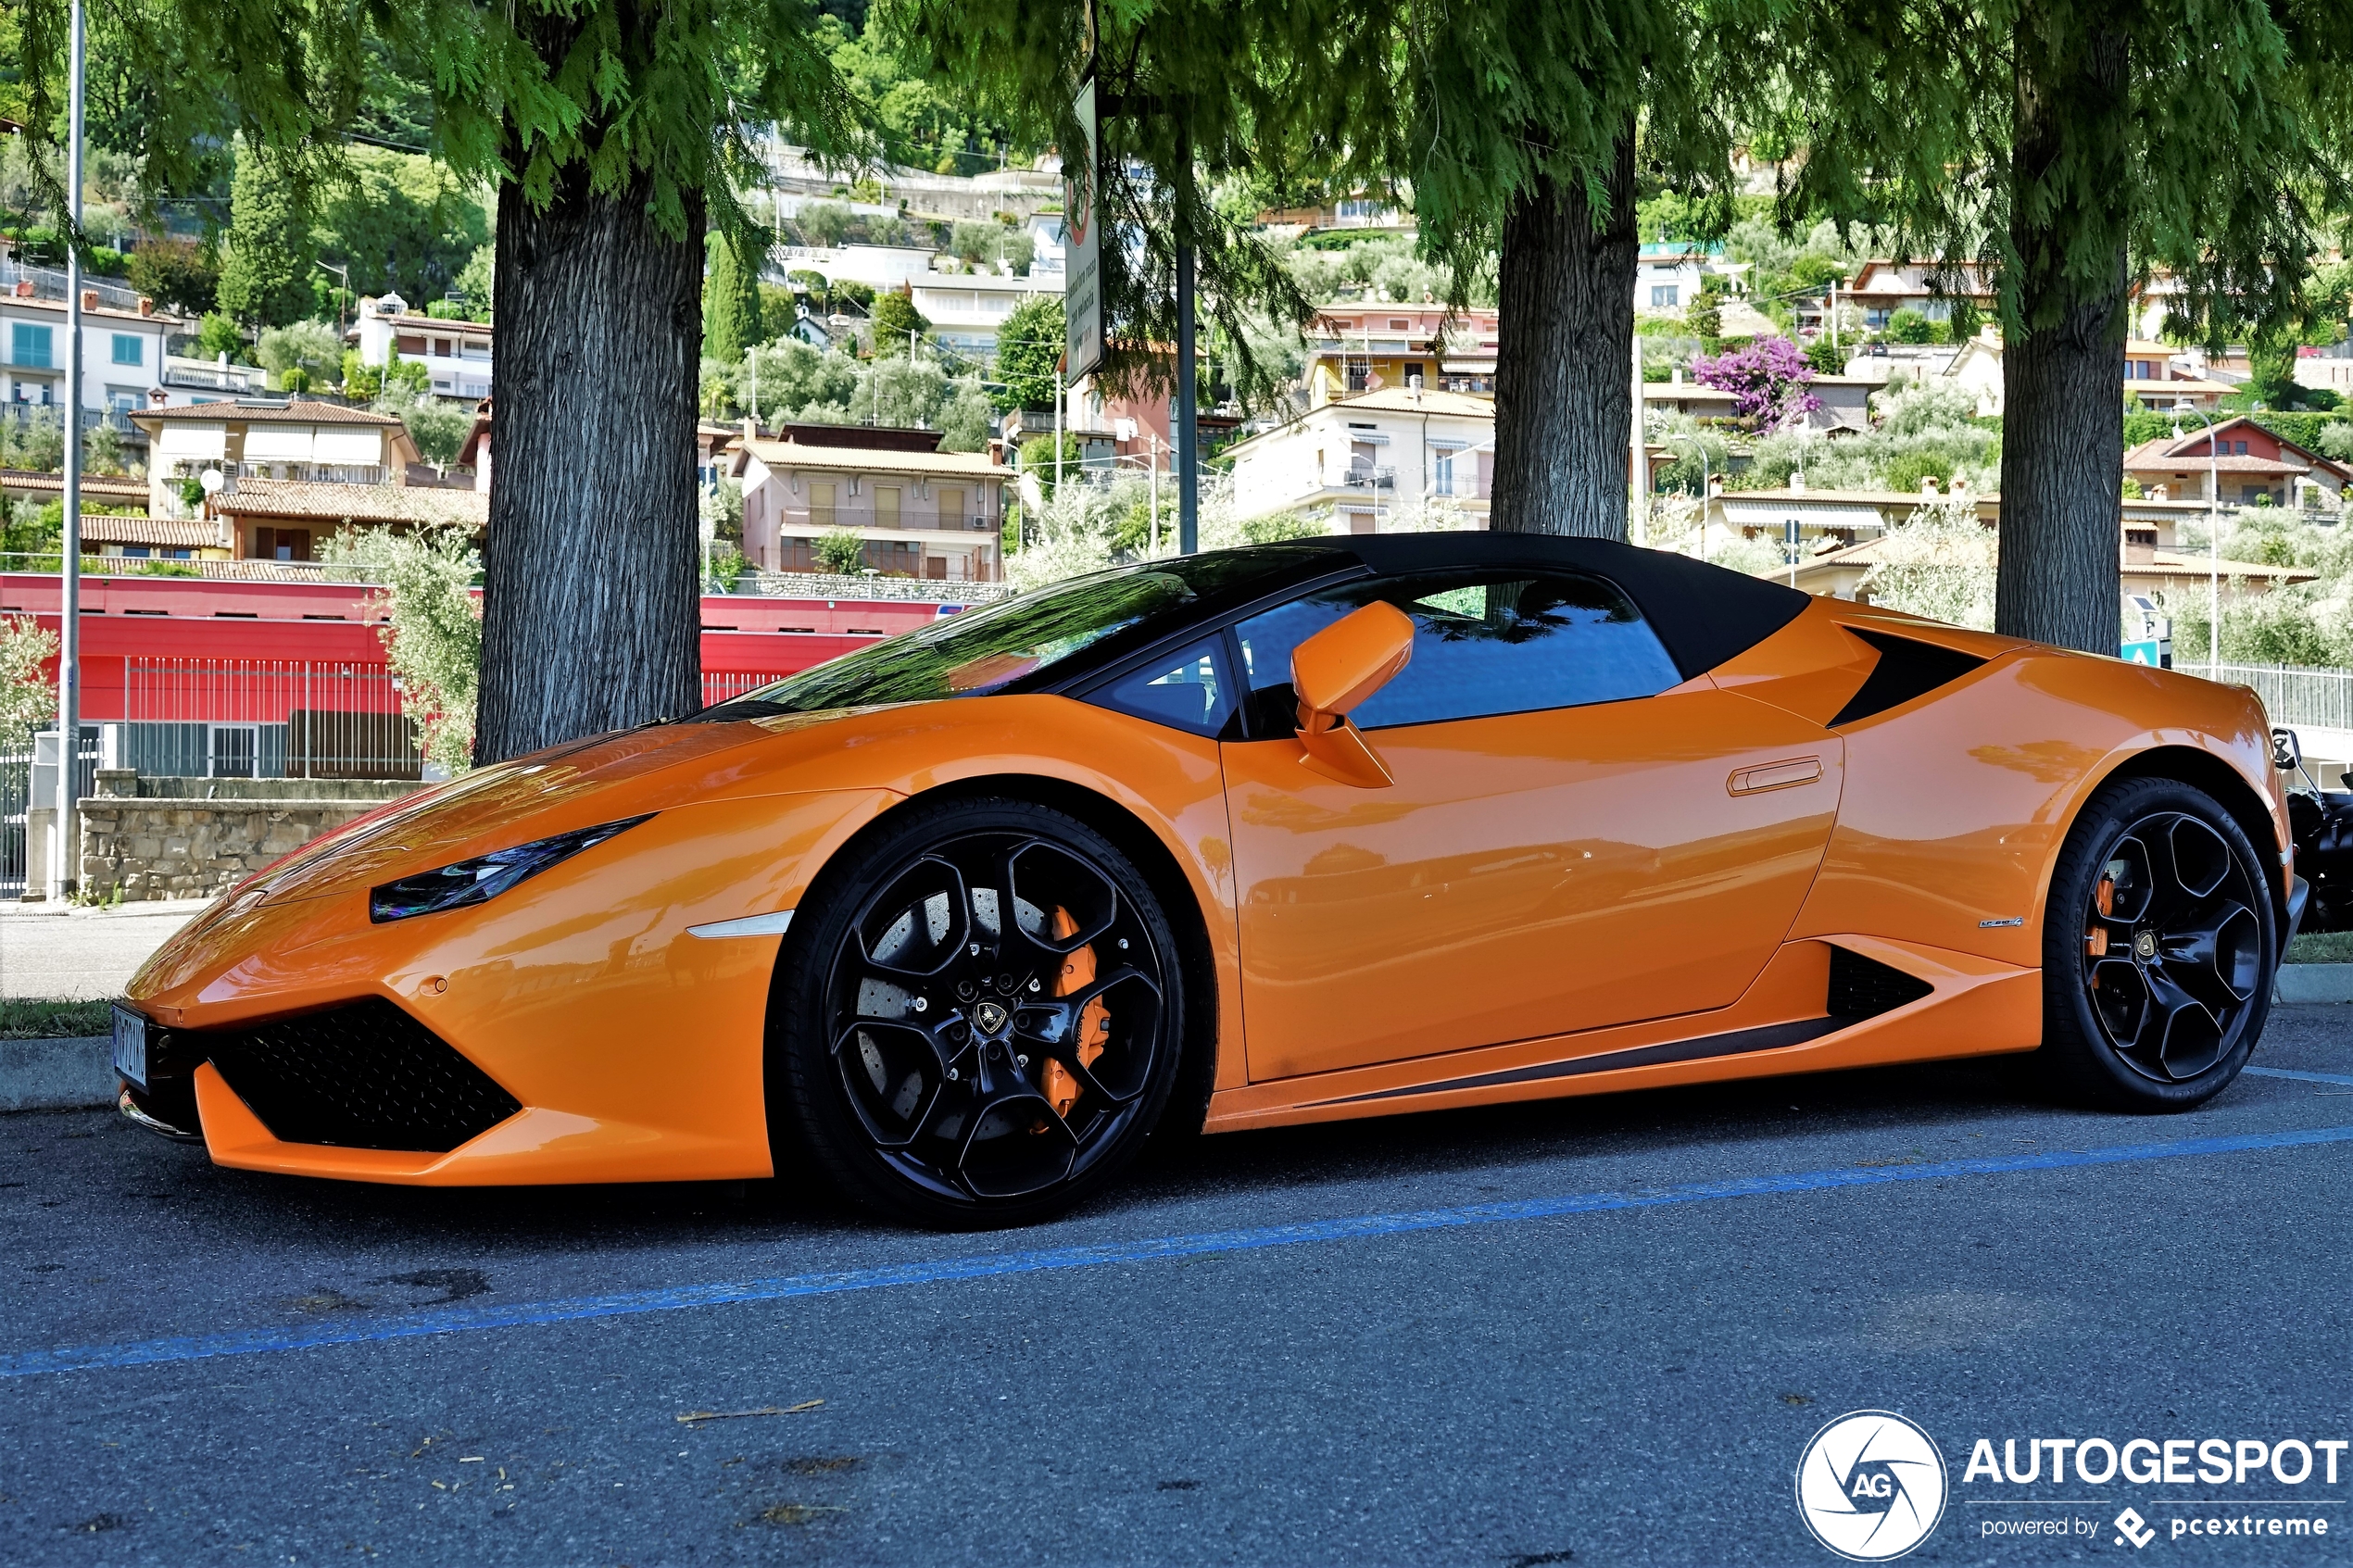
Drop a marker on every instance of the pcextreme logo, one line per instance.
(1871, 1486)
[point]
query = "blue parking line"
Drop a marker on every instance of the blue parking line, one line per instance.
(991, 1265)
(2300, 1077)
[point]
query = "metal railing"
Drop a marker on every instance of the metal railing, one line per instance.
(2322, 698)
(49, 283)
(264, 719)
(723, 686)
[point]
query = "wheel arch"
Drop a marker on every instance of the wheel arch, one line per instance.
(2228, 786)
(1189, 1101)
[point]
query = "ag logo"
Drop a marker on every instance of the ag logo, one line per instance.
(1871, 1486)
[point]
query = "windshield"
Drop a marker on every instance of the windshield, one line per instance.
(985, 650)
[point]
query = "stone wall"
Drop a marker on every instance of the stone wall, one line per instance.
(194, 838)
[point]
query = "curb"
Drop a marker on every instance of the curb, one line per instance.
(69, 1075)
(2314, 982)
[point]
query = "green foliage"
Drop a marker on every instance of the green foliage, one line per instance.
(1826, 358)
(895, 317)
(1938, 563)
(823, 224)
(1704, 317)
(985, 245)
(967, 419)
(438, 425)
(218, 333)
(1029, 344)
(841, 552)
(2306, 429)
(1910, 326)
(266, 278)
(361, 383)
(477, 280)
(402, 223)
(731, 305)
(923, 121)
(1925, 431)
(179, 275)
(433, 631)
(1965, 320)
(28, 692)
(795, 376)
(309, 349)
(849, 293)
(37, 444)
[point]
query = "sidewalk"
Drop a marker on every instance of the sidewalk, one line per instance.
(61, 953)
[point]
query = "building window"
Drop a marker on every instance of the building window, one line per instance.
(1665, 296)
(282, 544)
(129, 348)
(886, 505)
(895, 558)
(28, 346)
(1443, 471)
(821, 505)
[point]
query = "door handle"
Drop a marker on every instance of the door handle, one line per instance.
(1774, 775)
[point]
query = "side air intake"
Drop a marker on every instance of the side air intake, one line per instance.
(1862, 987)
(1907, 668)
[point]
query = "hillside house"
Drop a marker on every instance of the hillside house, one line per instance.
(1367, 458)
(920, 511)
(2253, 466)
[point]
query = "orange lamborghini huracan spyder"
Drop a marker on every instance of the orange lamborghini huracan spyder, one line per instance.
(1329, 829)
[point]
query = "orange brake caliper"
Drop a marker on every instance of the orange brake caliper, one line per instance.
(1094, 1020)
(2095, 939)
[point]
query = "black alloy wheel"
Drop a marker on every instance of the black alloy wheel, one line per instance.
(980, 1028)
(2175, 940)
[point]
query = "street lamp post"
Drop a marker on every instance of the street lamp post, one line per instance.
(63, 872)
(2213, 541)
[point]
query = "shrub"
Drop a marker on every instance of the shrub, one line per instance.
(27, 695)
(432, 629)
(841, 552)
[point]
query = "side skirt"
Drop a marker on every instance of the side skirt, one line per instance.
(1971, 1006)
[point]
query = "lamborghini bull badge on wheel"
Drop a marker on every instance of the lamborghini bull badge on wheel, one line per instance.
(964, 922)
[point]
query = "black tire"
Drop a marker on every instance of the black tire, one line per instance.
(2155, 989)
(940, 1068)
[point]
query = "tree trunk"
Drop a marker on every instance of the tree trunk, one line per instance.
(2063, 377)
(1563, 373)
(591, 611)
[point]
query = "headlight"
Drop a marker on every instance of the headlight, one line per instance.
(483, 878)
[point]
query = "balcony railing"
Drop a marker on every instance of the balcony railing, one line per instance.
(49, 283)
(1370, 479)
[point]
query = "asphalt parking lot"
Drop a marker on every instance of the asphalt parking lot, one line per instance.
(1592, 1331)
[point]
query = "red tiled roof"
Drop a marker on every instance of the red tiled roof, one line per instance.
(413, 504)
(175, 534)
(107, 487)
(302, 410)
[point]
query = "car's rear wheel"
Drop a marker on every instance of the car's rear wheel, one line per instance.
(2159, 946)
(977, 1022)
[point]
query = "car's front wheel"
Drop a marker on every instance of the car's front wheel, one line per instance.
(978, 1020)
(2160, 941)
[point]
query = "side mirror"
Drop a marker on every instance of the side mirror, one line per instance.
(1334, 670)
(2287, 751)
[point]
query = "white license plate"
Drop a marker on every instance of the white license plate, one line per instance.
(131, 1045)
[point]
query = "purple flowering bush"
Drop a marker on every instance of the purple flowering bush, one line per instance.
(1769, 377)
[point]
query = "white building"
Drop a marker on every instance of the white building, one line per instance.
(966, 308)
(123, 338)
(1375, 460)
(457, 354)
(1669, 274)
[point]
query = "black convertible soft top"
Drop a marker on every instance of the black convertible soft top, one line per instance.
(1704, 614)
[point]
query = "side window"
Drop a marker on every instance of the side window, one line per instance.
(1189, 692)
(1485, 642)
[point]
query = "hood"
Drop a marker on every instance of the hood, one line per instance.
(575, 785)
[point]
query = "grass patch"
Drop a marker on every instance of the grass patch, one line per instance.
(2322, 947)
(21, 1020)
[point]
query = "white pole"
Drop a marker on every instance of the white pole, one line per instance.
(63, 873)
(1154, 450)
(1640, 471)
(2213, 557)
(1058, 427)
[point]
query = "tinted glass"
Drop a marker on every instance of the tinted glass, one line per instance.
(988, 649)
(1507, 641)
(1184, 691)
